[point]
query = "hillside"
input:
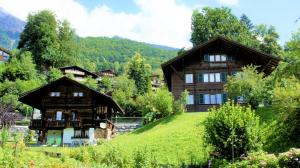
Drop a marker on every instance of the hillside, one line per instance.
(113, 52)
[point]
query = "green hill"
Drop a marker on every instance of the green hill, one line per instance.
(113, 52)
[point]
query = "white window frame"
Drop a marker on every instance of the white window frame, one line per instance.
(223, 58)
(190, 100)
(217, 77)
(211, 77)
(219, 99)
(55, 94)
(206, 77)
(206, 98)
(58, 115)
(212, 58)
(189, 78)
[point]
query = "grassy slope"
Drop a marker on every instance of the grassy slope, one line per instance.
(173, 139)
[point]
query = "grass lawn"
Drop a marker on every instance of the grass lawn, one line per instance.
(171, 140)
(176, 138)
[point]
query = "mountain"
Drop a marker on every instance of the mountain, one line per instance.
(103, 52)
(112, 53)
(10, 30)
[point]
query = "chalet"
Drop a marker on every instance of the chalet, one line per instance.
(67, 112)
(108, 73)
(79, 74)
(203, 70)
(4, 55)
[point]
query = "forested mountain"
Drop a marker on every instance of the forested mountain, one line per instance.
(114, 52)
(10, 29)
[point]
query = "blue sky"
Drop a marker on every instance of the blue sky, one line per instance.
(165, 22)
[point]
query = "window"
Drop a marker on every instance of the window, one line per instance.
(218, 77)
(217, 58)
(211, 77)
(211, 58)
(223, 58)
(81, 133)
(206, 99)
(188, 78)
(78, 94)
(190, 99)
(205, 77)
(211, 98)
(58, 115)
(55, 94)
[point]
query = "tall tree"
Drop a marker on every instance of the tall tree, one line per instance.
(220, 22)
(139, 71)
(40, 36)
(244, 19)
(268, 39)
(51, 42)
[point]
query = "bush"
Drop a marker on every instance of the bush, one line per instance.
(232, 130)
(156, 105)
(144, 158)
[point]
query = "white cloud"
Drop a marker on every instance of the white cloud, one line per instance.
(229, 2)
(159, 22)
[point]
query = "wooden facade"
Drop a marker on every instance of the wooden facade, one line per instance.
(71, 110)
(79, 73)
(203, 70)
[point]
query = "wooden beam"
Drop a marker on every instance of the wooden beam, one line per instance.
(266, 66)
(176, 72)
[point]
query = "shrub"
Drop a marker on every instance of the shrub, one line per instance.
(232, 130)
(156, 105)
(144, 158)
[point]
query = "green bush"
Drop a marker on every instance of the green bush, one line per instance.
(232, 130)
(145, 159)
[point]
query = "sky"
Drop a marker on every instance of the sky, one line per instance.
(163, 22)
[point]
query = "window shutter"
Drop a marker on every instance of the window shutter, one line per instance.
(223, 76)
(224, 97)
(206, 57)
(200, 99)
(235, 98)
(200, 77)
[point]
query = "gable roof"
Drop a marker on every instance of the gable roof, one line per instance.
(80, 69)
(268, 59)
(28, 97)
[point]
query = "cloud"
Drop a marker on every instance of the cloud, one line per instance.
(159, 22)
(229, 2)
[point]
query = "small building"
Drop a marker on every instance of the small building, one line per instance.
(4, 55)
(203, 70)
(79, 74)
(155, 81)
(108, 73)
(67, 112)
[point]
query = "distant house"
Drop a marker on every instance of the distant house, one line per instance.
(155, 82)
(203, 70)
(4, 55)
(68, 112)
(79, 74)
(108, 73)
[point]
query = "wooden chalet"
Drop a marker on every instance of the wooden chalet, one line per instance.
(203, 70)
(108, 73)
(79, 73)
(4, 55)
(68, 112)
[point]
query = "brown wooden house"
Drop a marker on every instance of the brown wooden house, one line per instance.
(68, 112)
(203, 70)
(79, 73)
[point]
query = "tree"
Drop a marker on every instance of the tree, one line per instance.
(232, 130)
(40, 36)
(54, 74)
(250, 84)
(51, 42)
(220, 22)
(268, 39)
(245, 20)
(139, 71)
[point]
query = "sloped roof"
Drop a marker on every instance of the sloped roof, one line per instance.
(80, 69)
(30, 97)
(166, 66)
